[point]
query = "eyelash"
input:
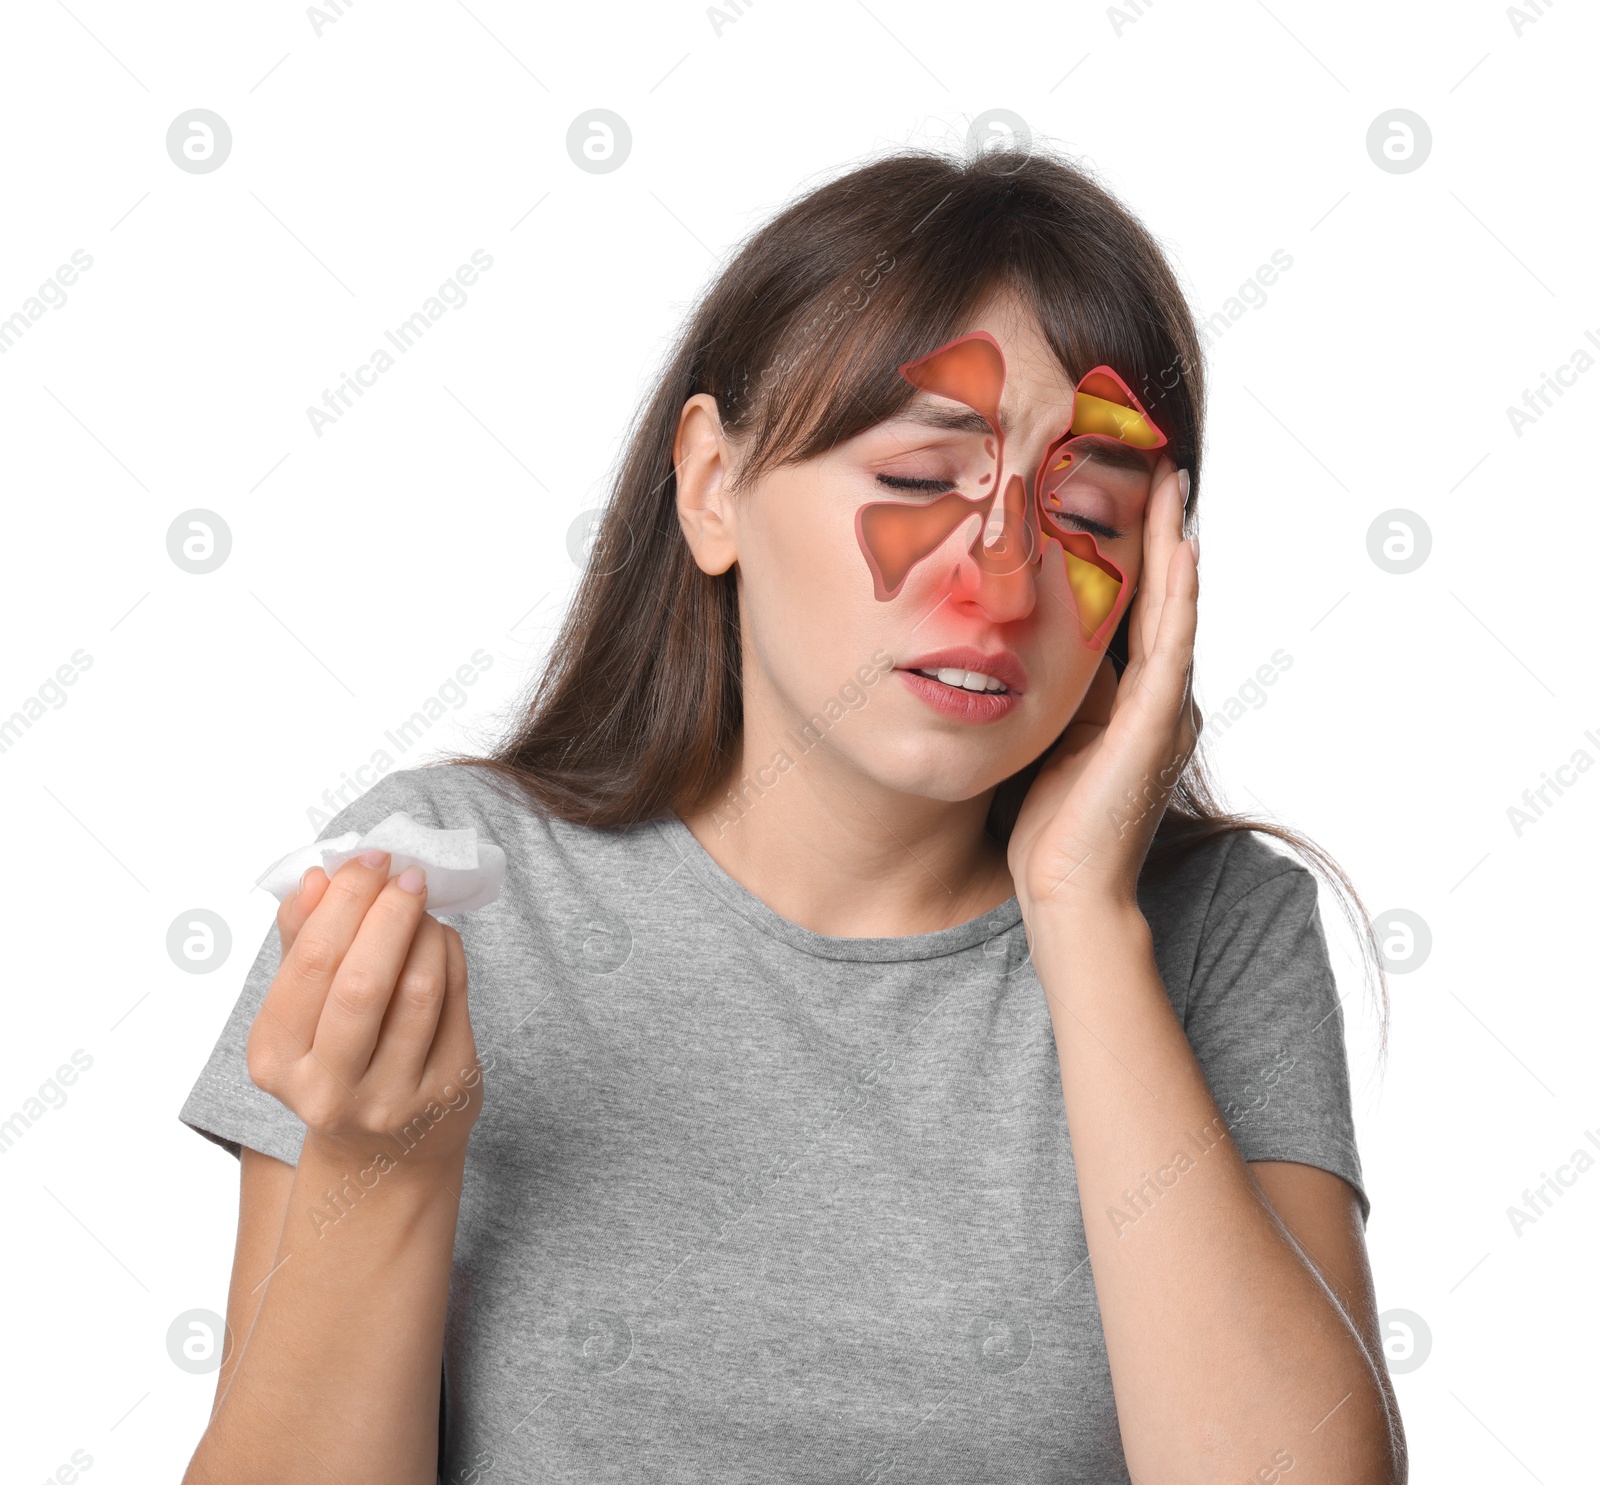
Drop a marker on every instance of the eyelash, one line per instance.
(905, 482)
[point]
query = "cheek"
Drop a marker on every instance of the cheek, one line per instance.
(1099, 585)
(1128, 556)
(1061, 659)
(807, 590)
(1057, 690)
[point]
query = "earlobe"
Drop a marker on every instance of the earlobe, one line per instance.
(705, 512)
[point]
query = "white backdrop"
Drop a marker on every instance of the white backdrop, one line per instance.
(361, 153)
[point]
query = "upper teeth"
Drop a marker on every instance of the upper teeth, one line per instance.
(970, 680)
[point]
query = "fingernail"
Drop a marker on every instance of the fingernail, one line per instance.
(1194, 541)
(373, 858)
(411, 879)
(303, 875)
(1183, 486)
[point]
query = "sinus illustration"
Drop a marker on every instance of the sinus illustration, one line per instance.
(894, 536)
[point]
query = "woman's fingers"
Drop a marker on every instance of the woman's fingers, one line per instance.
(412, 1020)
(454, 1047)
(365, 1025)
(1166, 681)
(1139, 624)
(347, 1031)
(294, 1001)
(1163, 530)
(297, 907)
(1166, 535)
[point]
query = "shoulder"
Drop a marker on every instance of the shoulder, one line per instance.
(1237, 910)
(453, 796)
(1240, 872)
(444, 795)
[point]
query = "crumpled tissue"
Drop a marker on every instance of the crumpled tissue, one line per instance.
(464, 872)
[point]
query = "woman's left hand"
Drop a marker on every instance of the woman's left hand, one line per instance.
(1089, 817)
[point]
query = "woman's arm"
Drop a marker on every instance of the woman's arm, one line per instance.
(334, 1372)
(1231, 1358)
(1228, 1353)
(1323, 1214)
(342, 1266)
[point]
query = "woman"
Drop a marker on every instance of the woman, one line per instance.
(885, 1056)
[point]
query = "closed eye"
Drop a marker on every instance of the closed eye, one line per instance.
(906, 482)
(1085, 523)
(1097, 528)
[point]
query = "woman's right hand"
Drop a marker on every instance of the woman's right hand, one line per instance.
(364, 1035)
(364, 1032)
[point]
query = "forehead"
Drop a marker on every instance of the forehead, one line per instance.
(929, 411)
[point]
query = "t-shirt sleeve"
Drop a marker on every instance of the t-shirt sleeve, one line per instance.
(224, 1105)
(1264, 1017)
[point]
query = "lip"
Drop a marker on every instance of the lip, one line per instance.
(962, 706)
(1004, 666)
(967, 706)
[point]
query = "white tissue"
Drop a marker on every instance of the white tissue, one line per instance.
(463, 872)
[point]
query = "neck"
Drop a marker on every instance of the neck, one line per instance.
(836, 852)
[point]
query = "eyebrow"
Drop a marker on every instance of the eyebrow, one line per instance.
(958, 419)
(1099, 447)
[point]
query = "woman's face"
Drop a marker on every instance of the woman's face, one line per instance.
(815, 631)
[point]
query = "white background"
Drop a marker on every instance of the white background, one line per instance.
(369, 161)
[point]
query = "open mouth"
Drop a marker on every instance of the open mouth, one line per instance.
(965, 680)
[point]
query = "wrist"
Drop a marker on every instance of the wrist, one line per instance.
(382, 1200)
(1069, 936)
(1081, 913)
(409, 1156)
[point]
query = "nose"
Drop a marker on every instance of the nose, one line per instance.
(997, 574)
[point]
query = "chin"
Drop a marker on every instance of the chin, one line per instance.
(937, 767)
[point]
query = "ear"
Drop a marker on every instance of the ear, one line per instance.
(702, 457)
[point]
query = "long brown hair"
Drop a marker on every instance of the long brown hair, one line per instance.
(639, 708)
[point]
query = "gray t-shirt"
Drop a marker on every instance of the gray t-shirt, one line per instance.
(748, 1202)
